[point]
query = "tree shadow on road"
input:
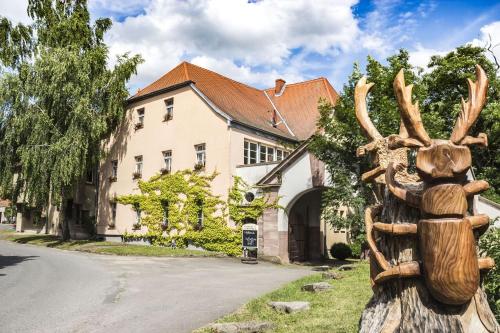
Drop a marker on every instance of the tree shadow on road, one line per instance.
(6, 261)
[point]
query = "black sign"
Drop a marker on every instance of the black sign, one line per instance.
(250, 238)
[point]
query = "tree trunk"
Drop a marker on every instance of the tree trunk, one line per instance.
(405, 305)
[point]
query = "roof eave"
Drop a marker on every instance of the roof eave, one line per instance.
(158, 92)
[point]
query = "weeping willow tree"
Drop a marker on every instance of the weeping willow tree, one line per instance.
(58, 100)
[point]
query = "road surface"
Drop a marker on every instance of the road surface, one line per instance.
(50, 290)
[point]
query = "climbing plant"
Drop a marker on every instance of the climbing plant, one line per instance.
(180, 208)
(251, 211)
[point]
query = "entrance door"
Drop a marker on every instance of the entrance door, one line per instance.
(297, 238)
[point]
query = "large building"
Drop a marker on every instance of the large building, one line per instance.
(195, 118)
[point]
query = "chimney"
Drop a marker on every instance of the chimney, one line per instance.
(280, 86)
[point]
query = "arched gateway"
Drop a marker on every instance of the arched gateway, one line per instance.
(295, 233)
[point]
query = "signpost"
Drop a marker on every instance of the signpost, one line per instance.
(249, 243)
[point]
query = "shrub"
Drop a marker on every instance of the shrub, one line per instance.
(341, 251)
(489, 245)
(356, 249)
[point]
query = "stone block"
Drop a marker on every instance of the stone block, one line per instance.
(316, 287)
(290, 307)
(242, 327)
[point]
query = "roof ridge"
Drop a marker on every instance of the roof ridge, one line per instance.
(222, 76)
(302, 82)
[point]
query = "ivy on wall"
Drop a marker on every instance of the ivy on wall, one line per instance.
(180, 208)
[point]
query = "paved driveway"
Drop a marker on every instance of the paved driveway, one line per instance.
(49, 290)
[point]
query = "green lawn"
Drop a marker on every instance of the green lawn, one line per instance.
(335, 310)
(93, 246)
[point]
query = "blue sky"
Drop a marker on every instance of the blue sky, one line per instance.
(256, 42)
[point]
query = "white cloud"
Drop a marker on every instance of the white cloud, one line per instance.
(234, 36)
(421, 56)
(490, 36)
(15, 11)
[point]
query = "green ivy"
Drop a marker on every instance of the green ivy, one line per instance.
(240, 213)
(185, 193)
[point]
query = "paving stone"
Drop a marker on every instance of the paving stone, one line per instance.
(347, 267)
(332, 275)
(315, 287)
(242, 327)
(290, 307)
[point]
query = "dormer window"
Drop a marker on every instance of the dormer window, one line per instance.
(169, 109)
(140, 119)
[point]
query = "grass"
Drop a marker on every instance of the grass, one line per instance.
(102, 247)
(335, 310)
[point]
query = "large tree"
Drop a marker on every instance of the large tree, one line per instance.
(58, 99)
(438, 90)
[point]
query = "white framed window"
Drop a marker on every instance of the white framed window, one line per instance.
(201, 155)
(279, 155)
(254, 152)
(169, 109)
(114, 169)
(167, 160)
(270, 154)
(262, 153)
(250, 152)
(138, 164)
(138, 216)
(140, 116)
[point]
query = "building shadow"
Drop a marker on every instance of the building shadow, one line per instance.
(6, 261)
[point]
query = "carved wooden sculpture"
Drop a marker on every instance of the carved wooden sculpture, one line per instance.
(426, 233)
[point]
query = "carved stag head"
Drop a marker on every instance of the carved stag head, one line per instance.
(442, 158)
(435, 158)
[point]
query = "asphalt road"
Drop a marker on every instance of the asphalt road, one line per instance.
(50, 290)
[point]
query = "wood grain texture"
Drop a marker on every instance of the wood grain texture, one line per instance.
(443, 159)
(444, 200)
(448, 251)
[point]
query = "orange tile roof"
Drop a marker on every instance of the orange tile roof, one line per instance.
(250, 106)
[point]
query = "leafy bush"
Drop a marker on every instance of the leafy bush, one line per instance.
(341, 251)
(356, 249)
(489, 245)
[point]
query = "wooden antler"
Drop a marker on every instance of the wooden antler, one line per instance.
(360, 92)
(471, 108)
(409, 112)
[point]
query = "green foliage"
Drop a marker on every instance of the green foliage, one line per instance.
(438, 91)
(489, 245)
(240, 213)
(356, 248)
(58, 99)
(184, 193)
(341, 251)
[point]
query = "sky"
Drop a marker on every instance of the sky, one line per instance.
(258, 41)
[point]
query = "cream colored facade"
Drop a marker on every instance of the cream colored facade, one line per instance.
(194, 122)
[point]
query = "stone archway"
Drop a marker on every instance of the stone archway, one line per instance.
(304, 227)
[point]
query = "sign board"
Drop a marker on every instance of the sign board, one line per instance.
(249, 234)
